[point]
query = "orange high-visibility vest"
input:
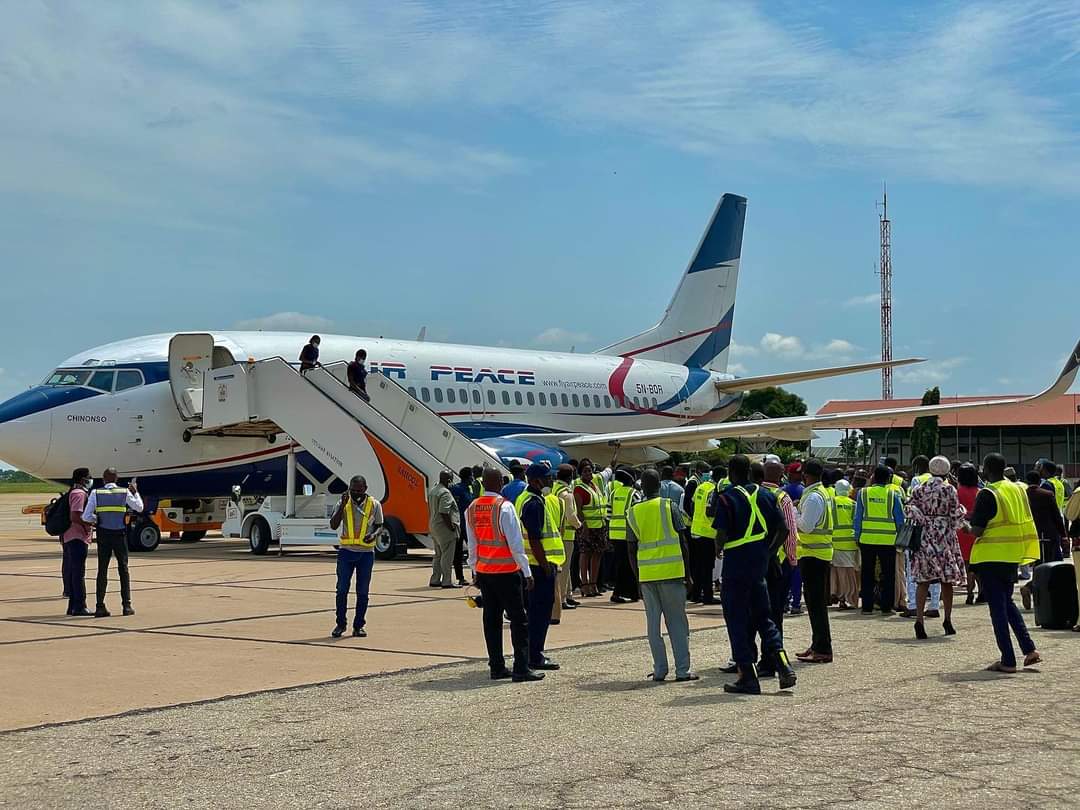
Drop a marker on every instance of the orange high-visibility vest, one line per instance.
(492, 551)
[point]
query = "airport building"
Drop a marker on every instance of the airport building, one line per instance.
(1023, 434)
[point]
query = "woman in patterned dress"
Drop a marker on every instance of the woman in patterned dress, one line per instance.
(936, 507)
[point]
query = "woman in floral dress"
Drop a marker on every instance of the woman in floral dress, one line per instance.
(936, 507)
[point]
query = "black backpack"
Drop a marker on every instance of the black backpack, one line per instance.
(58, 515)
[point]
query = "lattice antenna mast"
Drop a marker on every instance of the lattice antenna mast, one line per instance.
(885, 271)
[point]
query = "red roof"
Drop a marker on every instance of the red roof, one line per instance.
(1054, 412)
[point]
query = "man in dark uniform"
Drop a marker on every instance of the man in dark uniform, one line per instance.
(309, 355)
(358, 375)
(540, 599)
(747, 518)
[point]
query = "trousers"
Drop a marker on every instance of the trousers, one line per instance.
(747, 608)
(702, 561)
(503, 593)
(996, 582)
(626, 584)
(75, 574)
(563, 587)
(778, 581)
(361, 563)
(815, 584)
(443, 563)
(886, 555)
(459, 553)
(539, 603)
(112, 543)
(667, 600)
(796, 592)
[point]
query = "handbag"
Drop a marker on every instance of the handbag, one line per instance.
(909, 538)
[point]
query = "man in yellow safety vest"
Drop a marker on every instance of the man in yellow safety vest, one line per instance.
(1005, 538)
(563, 489)
(541, 519)
(879, 515)
(656, 553)
(360, 518)
(621, 496)
(703, 541)
(814, 551)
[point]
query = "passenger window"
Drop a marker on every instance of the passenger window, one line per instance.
(607, 402)
(102, 380)
(450, 395)
(412, 392)
(476, 396)
(576, 400)
(565, 401)
(529, 396)
(517, 397)
(128, 378)
(491, 397)
(655, 404)
(506, 397)
(543, 398)
(585, 400)
(463, 396)
(438, 395)
(425, 394)
(596, 400)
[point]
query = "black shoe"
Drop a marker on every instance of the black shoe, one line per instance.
(785, 670)
(949, 629)
(527, 676)
(746, 685)
(932, 614)
(568, 605)
(764, 672)
(444, 587)
(80, 612)
(359, 632)
(795, 611)
(129, 610)
(619, 600)
(101, 612)
(920, 631)
(338, 631)
(434, 584)
(970, 598)
(546, 664)
(505, 675)
(867, 612)
(730, 669)
(555, 621)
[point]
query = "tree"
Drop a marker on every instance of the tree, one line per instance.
(924, 433)
(775, 403)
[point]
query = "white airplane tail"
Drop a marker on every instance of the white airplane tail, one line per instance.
(696, 328)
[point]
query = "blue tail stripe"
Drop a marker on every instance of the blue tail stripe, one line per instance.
(715, 342)
(723, 240)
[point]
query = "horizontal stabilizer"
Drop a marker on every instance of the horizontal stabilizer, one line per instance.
(753, 383)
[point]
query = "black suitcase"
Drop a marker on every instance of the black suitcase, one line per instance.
(1053, 589)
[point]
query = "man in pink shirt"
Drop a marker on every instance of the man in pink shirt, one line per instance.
(76, 541)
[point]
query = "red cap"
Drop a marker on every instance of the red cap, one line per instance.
(794, 467)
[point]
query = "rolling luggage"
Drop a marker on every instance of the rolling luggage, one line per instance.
(1053, 590)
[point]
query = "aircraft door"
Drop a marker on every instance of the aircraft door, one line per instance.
(190, 356)
(477, 407)
(680, 391)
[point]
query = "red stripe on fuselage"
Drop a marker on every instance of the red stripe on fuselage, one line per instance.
(716, 328)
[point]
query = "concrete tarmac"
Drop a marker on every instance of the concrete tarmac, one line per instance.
(141, 714)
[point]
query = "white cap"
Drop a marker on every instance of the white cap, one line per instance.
(940, 466)
(842, 487)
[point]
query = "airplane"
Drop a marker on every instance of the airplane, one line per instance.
(664, 388)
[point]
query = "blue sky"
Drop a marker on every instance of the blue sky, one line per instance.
(372, 168)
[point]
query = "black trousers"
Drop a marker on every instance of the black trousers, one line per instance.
(626, 584)
(575, 568)
(112, 543)
(778, 580)
(815, 584)
(504, 593)
(702, 562)
(887, 556)
(75, 574)
(459, 554)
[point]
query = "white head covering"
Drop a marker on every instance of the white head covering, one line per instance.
(842, 487)
(940, 466)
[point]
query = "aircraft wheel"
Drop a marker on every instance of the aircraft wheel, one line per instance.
(392, 540)
(143, 536)
(259, 536)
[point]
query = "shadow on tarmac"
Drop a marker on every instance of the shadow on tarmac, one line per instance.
(982, 675)
(466, 682)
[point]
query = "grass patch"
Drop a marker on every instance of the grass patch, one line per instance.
(13, 488)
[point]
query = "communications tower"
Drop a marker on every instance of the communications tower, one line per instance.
(885, 271)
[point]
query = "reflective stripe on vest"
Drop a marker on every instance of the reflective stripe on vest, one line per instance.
(593, 511)
(818, 541)
(843, 538)
(756, 528)
(878, 522)
(620, 502)
(353, 536)
(1010, 537)
(493, 554)
(1059, 491)
(921, 479)
(111, 508)
(550, 538)
(659, 552)
(568, 529)
(781, 553)
(701, 525)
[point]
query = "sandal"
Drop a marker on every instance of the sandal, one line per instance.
(997, 666)
(1032, 658)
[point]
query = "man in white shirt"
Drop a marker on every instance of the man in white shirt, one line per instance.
(106, 509)
(498, 561)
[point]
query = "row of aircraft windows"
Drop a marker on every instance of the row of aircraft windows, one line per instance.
(463, 396)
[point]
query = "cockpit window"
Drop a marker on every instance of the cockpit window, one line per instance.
(102, 380)
(72, 376)
(128, 378)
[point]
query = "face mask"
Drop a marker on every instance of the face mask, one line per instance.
(357, 497)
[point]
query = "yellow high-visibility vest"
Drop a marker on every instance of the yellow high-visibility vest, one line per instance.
(619, 502)
(1059, 491)
(593, 511)
(551, 533)
(352, 535)
(843, 538)
(878, 522)
(756, 528)
(702, 525)
(818, 541)
(1011, 536)
(568, 531)
(659, 552)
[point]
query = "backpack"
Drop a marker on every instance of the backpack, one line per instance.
(58, 515)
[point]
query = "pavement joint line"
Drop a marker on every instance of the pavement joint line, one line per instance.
(102, 632)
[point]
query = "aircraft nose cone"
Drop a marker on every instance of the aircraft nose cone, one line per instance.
(25, 431)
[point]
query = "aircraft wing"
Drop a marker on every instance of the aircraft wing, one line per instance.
(751, 383)
(799, 427)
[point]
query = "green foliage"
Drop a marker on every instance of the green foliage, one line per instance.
(13, 481)
(924, 433)
(773, 402)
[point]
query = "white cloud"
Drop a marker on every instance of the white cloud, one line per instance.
(786, 345)
(560, 338)
(837, 348)
(933, 372)
(737, 368)
(741, 350)
(287, 322)
(864, 300)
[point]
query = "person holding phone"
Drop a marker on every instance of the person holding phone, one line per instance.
(360, 518)
(106, 509)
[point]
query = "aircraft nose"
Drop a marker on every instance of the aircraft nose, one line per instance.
(26, 431)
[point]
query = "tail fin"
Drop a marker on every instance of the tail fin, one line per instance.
(696, 328)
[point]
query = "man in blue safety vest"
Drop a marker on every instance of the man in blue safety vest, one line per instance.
(106, 509)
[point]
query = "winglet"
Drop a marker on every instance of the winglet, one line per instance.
(1064, 381)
